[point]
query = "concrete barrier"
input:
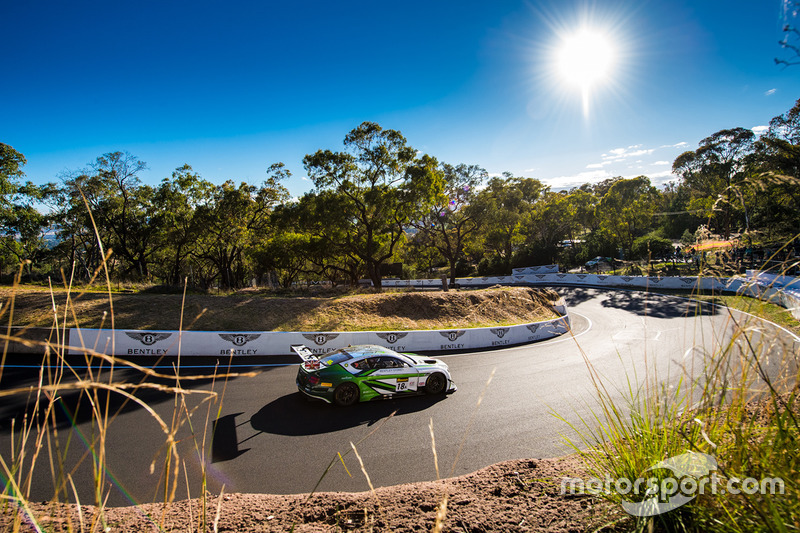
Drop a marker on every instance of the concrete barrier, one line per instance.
(31, 340)
(129, 343)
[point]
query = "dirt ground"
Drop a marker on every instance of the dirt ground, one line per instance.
(513, 496)
(261, 311)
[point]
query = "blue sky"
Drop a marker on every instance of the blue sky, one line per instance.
(232, 87)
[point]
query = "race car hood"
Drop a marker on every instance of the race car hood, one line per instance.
(426, 360)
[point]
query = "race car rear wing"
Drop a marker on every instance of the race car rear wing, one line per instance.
(304, 352)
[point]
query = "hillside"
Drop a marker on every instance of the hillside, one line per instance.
(261, 311)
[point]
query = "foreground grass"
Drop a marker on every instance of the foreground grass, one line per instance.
(769, 311)
(734, 423)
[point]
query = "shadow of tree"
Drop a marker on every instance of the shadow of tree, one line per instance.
(657, 305)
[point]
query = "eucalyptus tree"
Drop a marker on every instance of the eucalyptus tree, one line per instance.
(505, 202)
(713, 170)
(120, 209)
(21, 222)
(453, 216)
(778, 182)
(231, 222)
(626, 210)
(177, 199)
(379, 184)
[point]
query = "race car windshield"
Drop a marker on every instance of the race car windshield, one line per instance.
(334, 358)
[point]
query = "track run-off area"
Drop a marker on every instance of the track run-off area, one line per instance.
(267, 438)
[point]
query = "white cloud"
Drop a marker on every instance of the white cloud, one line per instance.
(604, 163)
(676, 145)
(658, 163)
(565, 182)
(760, 130)
(620, 154)
(770, 92)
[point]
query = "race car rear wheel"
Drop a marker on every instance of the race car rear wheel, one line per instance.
(345, 394)
(436, 383)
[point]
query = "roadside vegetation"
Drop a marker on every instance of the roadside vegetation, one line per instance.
(262, 310)
(739, 407)
(379, 208)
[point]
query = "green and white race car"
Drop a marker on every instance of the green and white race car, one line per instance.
(369, 372)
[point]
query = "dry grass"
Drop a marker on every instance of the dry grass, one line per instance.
(257, 312)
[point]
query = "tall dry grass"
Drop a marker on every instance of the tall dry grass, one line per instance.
(40, 446)
(737, 403)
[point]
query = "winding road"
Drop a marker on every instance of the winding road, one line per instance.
(270, 439)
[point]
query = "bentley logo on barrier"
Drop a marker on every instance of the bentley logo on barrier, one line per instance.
(561, 276)
(626, 279)
(687, 281)
(391, 338)
(148, 339)
(452, 335)
(541, 276)
(532, 327)
(601, 278)
(500, 332)
(320, 338)
(239, 339)
(655, 280)
(581, 276)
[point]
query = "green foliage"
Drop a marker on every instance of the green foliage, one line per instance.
(652, 246)
(379, 184)
(378, 201)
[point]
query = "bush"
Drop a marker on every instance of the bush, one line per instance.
(651, 246)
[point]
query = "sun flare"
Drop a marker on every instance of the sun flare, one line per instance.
(585, 59)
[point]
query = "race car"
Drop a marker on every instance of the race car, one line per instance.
(369, 372)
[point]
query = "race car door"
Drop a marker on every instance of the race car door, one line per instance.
(393, 376)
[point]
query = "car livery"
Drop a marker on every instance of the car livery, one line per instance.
(369, 372)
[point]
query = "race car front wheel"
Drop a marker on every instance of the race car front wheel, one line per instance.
(435, 384)
(345, 394)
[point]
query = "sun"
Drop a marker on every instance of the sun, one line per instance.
(585, 59)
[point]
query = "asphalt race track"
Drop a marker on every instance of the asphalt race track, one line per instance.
(270, 439)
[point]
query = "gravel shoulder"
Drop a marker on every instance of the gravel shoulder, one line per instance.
(513, 496)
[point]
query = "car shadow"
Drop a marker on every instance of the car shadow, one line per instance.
(296, 415)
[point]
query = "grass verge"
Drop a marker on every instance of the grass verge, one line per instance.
(716, 451)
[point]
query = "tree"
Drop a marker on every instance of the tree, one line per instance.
(453, 217)
(505, 201)
(231, 222)
(176, 201)
(713, 169)
(775, 181)
(121, 206)
(21, 223)
(626, 210)
(791, 36)
(380, 184)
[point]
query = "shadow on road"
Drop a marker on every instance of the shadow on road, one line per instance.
(657, 305)
(224, 442)
(294, 415)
